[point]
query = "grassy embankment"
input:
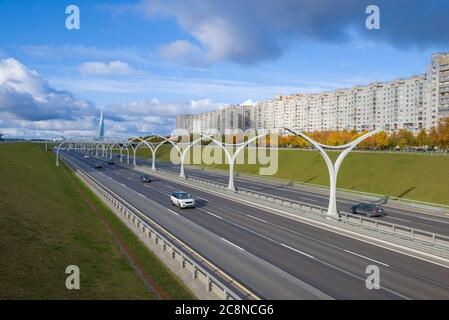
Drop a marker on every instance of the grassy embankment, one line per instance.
(49, 220)
(410, 176)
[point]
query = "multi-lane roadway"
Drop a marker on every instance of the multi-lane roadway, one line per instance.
(407, 216)
(273, 256)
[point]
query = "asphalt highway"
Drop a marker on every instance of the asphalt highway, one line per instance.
(406, 216)
(275, 257)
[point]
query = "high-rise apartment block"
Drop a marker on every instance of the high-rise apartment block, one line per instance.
(415, 103)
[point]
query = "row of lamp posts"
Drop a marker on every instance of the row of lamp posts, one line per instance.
(110, 144)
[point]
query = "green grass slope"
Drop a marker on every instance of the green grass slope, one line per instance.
(46, 224)
(410, 176)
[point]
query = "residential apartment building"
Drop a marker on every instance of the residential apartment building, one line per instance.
(438, 78)
(415, 103)
(225, 120)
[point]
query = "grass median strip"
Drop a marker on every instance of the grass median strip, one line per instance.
(49, 220)
(413, 176)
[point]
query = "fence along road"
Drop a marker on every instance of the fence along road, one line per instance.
(201, 270)
(404, 216)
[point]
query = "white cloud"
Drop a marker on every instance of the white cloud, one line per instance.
(154, 111)
(25, 95)
(87, 52)
(182, 51)
(29, 107)
(252, 31)
(102, 69)
(221, 32)
(248, 102)
(179, 87)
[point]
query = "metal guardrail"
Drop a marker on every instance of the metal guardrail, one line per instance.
(403, 201)
(175, 251)
(382, 227)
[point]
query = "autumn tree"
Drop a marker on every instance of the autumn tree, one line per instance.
(443, 134)
(433, 138)
(381, 140)
(406, 139)
(422, 139)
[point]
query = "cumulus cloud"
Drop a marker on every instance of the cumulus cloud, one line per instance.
(102, 69)
(30, 107)
(251, 31)
(26, 96)
(154, 111)
(248, 102)
(182, 51)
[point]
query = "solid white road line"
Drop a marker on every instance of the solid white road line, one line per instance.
(141, 194)
(169, 186)
(260, 235)
(359, 255)
(347, 251)
(173, 212)
(400, 219)
(232, 244)
(248, 215)
(298, 251)
(218, 217)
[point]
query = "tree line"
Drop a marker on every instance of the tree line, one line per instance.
(435, 138)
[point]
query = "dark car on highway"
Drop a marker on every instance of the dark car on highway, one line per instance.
(368, 209)
(111, 162)
(98, 166)
(145, 178)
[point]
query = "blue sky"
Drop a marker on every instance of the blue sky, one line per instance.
(144, 62)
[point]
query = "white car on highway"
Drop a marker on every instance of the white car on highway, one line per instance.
(182, 200)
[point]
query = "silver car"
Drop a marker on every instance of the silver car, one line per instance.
(182, 200)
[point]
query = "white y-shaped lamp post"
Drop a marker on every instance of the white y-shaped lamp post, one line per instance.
(183, 154)
(231, 159)
(59, 148)
(147, 143)
(57, 153)
(142, 141)
(124, 146)
(153, 162)
(333, 169)
(154, 149)
(84, 145)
